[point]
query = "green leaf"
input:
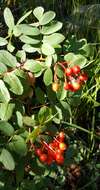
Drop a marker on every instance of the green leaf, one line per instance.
(6, 110)
(87, 50)
(28, 121)
(7, 159)
(7, 58)
(44, 114)
(3, 41)
(6, 128)
(61, 94)
(21, 55)
(75, 59)
(53, 27)
(47, 17)
(19, 119)
(66, 106)
(57, 110)
(3, 68)
(18, 145)
(14, 83)
(28, 40)
(16, 31)
(47, 49)
(28, 30)
(49, 60)
(9, 19)
(4, 93)
(48, 77)
(33, 66)
(60, 72)
(30, 49)
(10, 47)
(38, 12)
(23, 17)
(54, 39)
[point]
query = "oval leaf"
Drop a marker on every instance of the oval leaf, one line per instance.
(3, 41)
(3, 68)
(47, 17)
(33, 66)
(47, 49)
(23, 17)
(48, 77)
(28, 40)
(4, 93)
(75, 59)
(7, 159)
(9, 19)
(27, 30)
(13, 81)
(6, 128)
(44, 114)
(38, 12)
(30, 49)
(54, 39)
(54, 27)
(18, 145)
(7, 59)
(6, 111)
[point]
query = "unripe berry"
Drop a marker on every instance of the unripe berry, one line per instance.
(55, 86)
(76, 86)
(62, 146)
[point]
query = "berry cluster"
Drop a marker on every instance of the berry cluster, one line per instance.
(74, 78)
(54, 151)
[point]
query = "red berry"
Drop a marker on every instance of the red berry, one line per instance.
(62, 146)
(68, 86)
(76, 69)
(51, 145)
(59, 158)
(59, 151)
(83, 77)
(76, 86)
(43, 157)
(68, 71)
(49, 160)
(56, 142)
(38, 151)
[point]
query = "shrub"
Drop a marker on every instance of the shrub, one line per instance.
(43, 77)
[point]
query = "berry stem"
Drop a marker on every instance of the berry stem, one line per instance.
(48, 147)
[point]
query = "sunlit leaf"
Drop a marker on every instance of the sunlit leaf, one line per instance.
(7, 159)
(47, 17)
(38, 12)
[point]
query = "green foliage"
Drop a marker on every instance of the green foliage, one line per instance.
(7, 160)
(33, 57)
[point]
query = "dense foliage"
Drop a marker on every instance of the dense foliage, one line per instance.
(49, 87)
